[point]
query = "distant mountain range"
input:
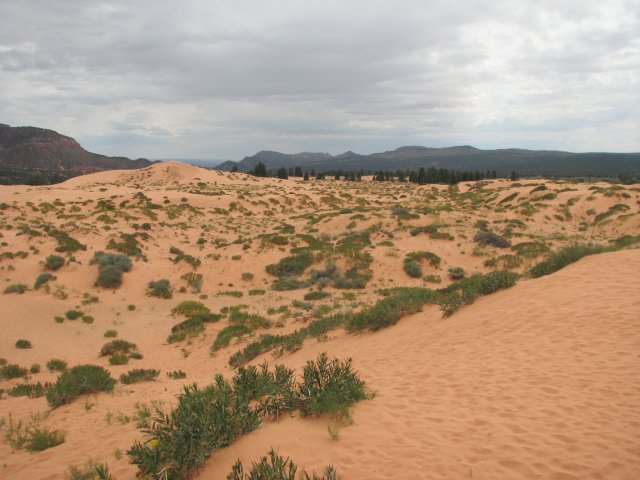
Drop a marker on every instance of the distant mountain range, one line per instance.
(30, 155)
(504, 161)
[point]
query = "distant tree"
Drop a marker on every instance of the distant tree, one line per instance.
(298, 172)
(514, 176)
(282, 173)
(235, 168)
(290, 172)
(260, 170)
(313, 173)
(306, 176)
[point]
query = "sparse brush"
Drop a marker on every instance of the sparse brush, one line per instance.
(56, 365)
(160, 288)
(189, 308)
(54, 262)
(79, 380)
(139, 375)
(565, 256)
(42, 439)
(22, 343)
(42, 279)
(491, 238)
(117, 346)
(275, 467)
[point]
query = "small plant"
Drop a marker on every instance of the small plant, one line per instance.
(22, 343)
(139, 375)
(16, 288)
(247, 276)
(54, 262)
(118, 359)
(79, 380)
(177, 375)
(110, 334)
(457, 273)
(87, 319)
(317, 295)
(160, 288)
(228, 333)
(34, 368)
(275, 467)
(42, 279)
(491, 238)
(12, 370)
(56, 365)
(117, 346)
(190, 307)
(111, 266)
(42, 439)
(73, 314)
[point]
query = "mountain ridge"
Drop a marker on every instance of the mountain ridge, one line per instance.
(34, 155)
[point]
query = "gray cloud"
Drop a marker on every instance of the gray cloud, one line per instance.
(224, 79)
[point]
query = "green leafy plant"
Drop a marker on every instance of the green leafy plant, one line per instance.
(275, 467)
(22, 343)
(79, 380)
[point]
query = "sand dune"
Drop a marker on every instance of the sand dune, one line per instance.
(538, 381)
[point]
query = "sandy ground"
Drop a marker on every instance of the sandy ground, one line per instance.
(539, 381)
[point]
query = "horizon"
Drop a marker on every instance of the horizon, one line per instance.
(213, 81)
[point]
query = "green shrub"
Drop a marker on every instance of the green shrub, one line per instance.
(54, 262)
(189, 308)
(456, 273)
(41, 439)
(16, 288)
(257, 291)
(228, 333)
(73, 314)
(110, 334)
(110, 268)
(117, 346)
(87, 319)
(177, 375)
(66, 243)
(79, 380)
(160, 288)
(109, 277)
(432, 258)
(530, 249)
(192, 326)
(319, 295)
(139, 375)
(329, 386)
(563, 257)
(42, 279)
(22, 343)
(56, 365)
(291, 266)
(118, 359)
(412, 268)
(31, 390)
(194, 280)
(11, 370)
(275, 467)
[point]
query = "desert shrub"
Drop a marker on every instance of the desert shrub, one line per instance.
(110, 333)
(177, 375)
(87, 319)
(16, 288)
(54, 262)
(91, 471)
(563, 257)
(257, 291)
(34, 368)
(42, 438)
(139, 375)
(291, 266)
(329, 386)
(42, 279)
(412, 268)
(626, 240)
(128, 245)
(22, 343)
(491, 238)
(79, 380)
(228, 333)
(189, 308)
(388, 311)
(118, 359)
(275, 467)
(456, 273)
(290, 283)
(160, 288)
(230, 293)
(73, 314)
(319, 295)
(432, 278)
(432, 258)
(247, 276)
(194, 280)
(110, 268)
(31, 390)
(56, 365)
(12, 370)
(117, 346)
(180, 256)
(530, 249)
(192, 326)
(109, 277)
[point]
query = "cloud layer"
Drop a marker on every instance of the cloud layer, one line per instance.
(224, 79)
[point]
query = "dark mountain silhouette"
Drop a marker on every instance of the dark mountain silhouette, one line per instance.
(30, 155)
(464, 157)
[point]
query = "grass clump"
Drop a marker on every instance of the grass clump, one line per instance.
(16, 288)
(190, 307)
(292, 266)
(66, 243)
(53, 262)
(192, 326)
(41, 439)
(228, 333)
(177, 375)
(42, 279)
(31, 390)
(194, 280)
(160, 288)
(118, 359)
(530, 249)
(565, 256)
(318, 295)
(79, 380)
(139, 375)
(22, 343)
(73, 314)
(111, 333)
(56, 365)
(275, 467)
(117, 346)
(12, 370)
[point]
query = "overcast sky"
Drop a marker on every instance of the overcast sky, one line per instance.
(224, 79)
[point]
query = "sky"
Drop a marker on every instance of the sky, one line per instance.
(224, 79)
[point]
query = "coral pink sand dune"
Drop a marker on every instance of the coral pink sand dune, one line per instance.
(539, 381)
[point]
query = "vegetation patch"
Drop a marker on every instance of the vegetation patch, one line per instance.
(275, 467)
(79, 380)
(139, 375)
